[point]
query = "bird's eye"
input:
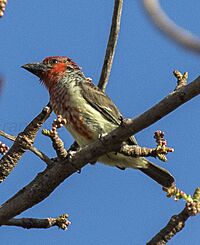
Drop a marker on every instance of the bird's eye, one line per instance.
(54, 61)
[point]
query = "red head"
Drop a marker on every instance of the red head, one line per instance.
(51, 69)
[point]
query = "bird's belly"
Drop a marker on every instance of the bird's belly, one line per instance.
(87, 125)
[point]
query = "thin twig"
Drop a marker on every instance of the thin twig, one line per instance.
(45, 182)
(166, 25)
(41, 155)
(181, 79)
(7, 136)
(160, 151)
(36, 151)
(138, 151)
(57, 142)
(176, 224)
(112, 42)
(22, 143)
(28, 223)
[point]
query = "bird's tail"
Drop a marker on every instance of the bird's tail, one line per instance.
(160, 175)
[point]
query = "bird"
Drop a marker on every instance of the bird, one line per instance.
(89, 112)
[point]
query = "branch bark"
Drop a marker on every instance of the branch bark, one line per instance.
(36, 151)
(23, 142)
(176, 224)
(28, 223)
(45, 182)
(112, 42)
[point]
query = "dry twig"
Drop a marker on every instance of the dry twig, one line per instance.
(112, 42)
(58, 144)
(61, 222)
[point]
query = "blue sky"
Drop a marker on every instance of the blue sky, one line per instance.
(106, 205)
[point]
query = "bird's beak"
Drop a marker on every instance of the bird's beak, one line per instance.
(36, 68)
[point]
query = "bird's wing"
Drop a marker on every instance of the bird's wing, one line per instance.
(102, 103)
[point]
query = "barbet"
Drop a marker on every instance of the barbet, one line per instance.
(89, 112)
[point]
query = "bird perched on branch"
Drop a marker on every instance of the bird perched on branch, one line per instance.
(89, 112)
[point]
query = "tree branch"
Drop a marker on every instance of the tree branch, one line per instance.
(23, 142)
(177, 222)
(166, 25)
(45, 182)
(112, 42)
(57, 143)
(28, 223)
(36, 151)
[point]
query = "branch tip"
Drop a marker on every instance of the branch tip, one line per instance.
(181, 79)
(57, 143)
(61, 222)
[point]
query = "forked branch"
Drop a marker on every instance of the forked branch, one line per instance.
(23, 142)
